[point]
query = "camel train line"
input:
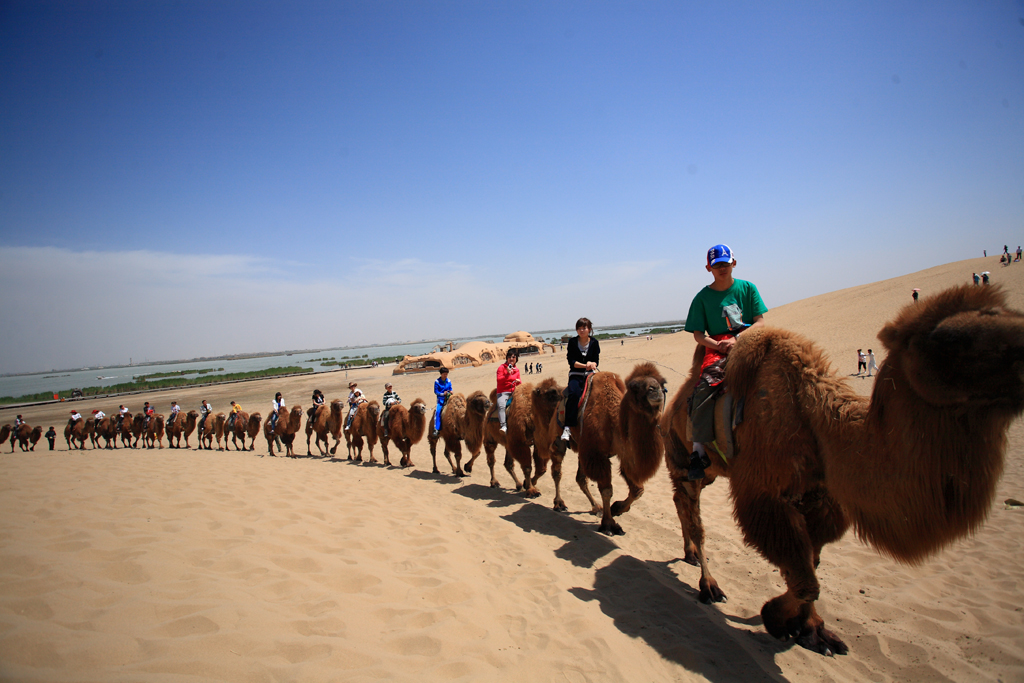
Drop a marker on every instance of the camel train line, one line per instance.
(911, 469)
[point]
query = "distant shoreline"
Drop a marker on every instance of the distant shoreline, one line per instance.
(267, 354)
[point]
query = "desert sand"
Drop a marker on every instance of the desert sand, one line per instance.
(186, 565)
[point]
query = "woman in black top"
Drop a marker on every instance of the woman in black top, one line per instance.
(583, 355)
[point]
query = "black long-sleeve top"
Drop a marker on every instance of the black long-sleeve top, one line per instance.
(575, 355)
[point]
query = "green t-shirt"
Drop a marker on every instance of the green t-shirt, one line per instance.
(720, 312)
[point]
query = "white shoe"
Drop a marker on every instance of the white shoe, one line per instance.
(504, 428)
(566, 434)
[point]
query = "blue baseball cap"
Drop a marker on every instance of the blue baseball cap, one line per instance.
(720, 253)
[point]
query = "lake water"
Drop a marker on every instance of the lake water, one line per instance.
(21, 385)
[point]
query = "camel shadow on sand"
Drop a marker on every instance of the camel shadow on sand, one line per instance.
(646, 600)
(496, 498)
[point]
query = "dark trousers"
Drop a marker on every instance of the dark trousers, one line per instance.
(572, 403)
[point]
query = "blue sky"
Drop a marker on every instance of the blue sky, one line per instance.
(303, 175)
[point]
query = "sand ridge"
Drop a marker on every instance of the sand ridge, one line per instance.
(184, 565)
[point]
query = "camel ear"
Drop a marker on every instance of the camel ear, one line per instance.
(889, 336)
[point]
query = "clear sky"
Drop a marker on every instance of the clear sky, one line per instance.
(198, 178)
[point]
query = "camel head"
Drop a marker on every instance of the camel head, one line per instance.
(645, 388)
(336, 407)
(961, 346)
(478, 403)
(547, 394)
(296, 418)
(418, 406)
(373, 409)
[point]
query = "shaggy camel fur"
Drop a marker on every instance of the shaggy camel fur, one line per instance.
(530, 415)
(105, 429)
(325, 422)
(405, 429)
(364, 425)
(181, 427)
(154, 434)
(5, 433)
(245, 425)
(27, 437)
(138, 426)
(125, 430)
(287, 426)
(913, 469)
(462, 420)
(213, 427)
(79, 430)
(620, 419)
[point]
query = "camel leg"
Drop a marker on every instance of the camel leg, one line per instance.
(556, 475)
(540, 467)
(489, 449)
(608, 524)
(433, 455)
(510, 466)
(687, 501)
(621, 507)
(581, 480)
(456, 450)
(780, 532)
(369, 446)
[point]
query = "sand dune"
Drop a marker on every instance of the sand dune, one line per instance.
(184, 565)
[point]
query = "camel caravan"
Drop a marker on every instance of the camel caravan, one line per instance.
(910, 469)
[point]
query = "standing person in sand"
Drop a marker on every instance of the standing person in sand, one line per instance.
(862, 361)
(584, 355)
(508, 380)
(871, 362)
(442, 390)
(718, 314)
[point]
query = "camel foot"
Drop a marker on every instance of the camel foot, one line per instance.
(531, 493)
(469, 468)
(710, 592)
(691, 558)
(437, 471)
(495, 484)
(519, 487)
(560, 506)
(619, 507)
(459, 473)
(786, 617)
(611, 528)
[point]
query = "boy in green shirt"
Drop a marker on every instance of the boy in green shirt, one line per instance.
(717, 315)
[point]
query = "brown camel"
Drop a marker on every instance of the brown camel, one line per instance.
(620, 419)
(106, 429)
(182, 427)
(517, 440)
(27, 437)
(79, 430)
(5, 433)
(531, 425)
(364, 425)
(125, 430)
(288, 424)
(325, 422)
(213, 427)
(405, 429)
(462, 420)
(138, 427)
(912, 469)
(154, 433)
(245, 425)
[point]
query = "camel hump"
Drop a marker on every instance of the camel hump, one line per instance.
(755, 347)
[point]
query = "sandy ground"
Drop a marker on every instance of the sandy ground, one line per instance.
(185, 565)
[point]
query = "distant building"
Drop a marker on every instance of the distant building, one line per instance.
(474, 353)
